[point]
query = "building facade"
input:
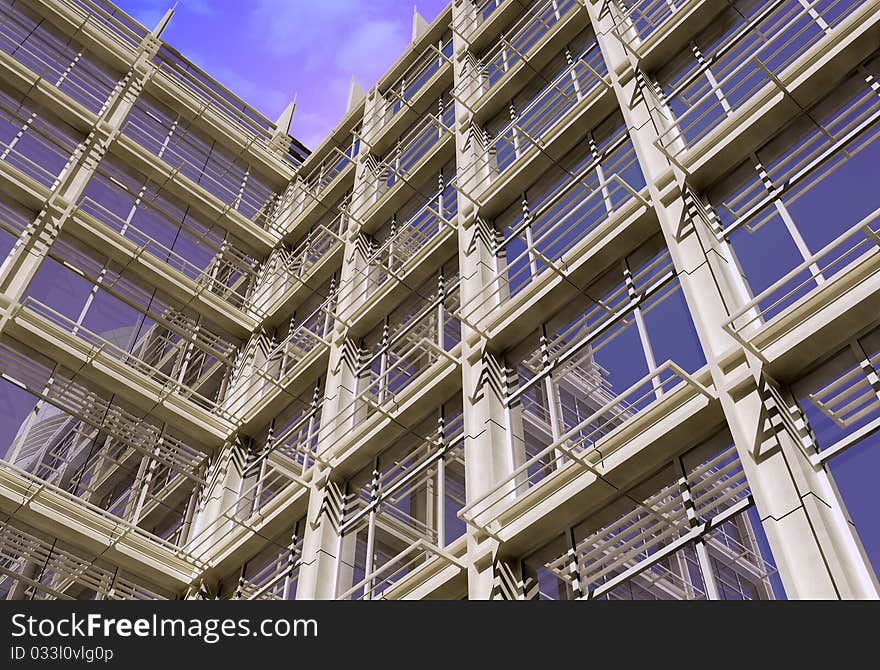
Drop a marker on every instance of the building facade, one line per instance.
(579, 301)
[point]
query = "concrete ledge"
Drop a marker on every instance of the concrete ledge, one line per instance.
(62, 515)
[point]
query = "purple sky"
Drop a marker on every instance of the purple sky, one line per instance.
(267, 50)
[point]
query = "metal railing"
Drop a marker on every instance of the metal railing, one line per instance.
(174, 339)
(58, 573)
(32, 308)
(399, 253)
(282, 362)
(262, 485)
(308, 190)
(397, 568)
(409, 473)
(58, 63)
(851, 250)
(639, 549)
(113, 23)
(276, 580)
(117, 529)
(402, 162)
(517, 46)
(541, 244)
(581, 447)
(77, 403)
(482, 10)
(565, 96)
(288, 269)
(382, 387)
(638, 20)
(752, 63)
(35, 171)
(217, 98)
(208, 168)
(322, 177)
(230, 275)
(405, 88)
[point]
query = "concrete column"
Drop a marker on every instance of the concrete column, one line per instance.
(221, 501)
(487, 453)
(812, 543)
(321, 540)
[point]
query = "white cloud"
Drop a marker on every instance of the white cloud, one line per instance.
(267, 100)
(288, 27)
(370, 49)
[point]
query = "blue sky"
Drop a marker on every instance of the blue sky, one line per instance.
(267, 50)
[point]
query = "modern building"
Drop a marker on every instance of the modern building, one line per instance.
(579, 301)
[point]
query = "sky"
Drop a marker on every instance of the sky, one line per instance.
(265, 51)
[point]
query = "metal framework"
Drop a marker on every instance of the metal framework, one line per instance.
(579, 301)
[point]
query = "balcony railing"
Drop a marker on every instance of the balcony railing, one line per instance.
(84, 415)
(409, 476)
(28, 167)
(214, 96)
(288, 269)
(403, 369)
(276, 580)
(282, 362)
(231, 275)
(414, 345)
(210, 95)
(657, 521)
(295, 443)
(62, 574)
(263, 487)
(14, 219)
(115, 23)
(382, 387)
(518, 45)
(60, 64)
(483, 9)
(172, 326)
(217, 173)
(636, 548)
(636, 21)
(396, 569)
(855, 249)
(419, 139)
(397, 255)
(326, 173)
(116, 528)
(405, 89)
(540, 243)
(40, 148)
(572, 89)
(136, 363)
(754, 59)
(312, 188)
(401, 163)
(584, 447)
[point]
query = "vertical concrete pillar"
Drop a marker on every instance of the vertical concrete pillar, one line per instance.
(815, 550)
(487, 453)
(322, 543)
(221, 501)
